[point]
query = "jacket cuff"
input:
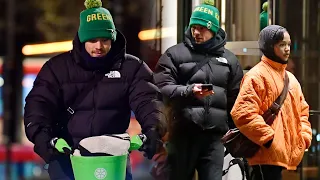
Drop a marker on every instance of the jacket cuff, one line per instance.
(188, 90)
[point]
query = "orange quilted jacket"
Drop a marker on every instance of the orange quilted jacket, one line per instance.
(291, 130)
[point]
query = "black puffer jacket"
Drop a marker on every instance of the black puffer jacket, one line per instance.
(105, 110)
(222, 70)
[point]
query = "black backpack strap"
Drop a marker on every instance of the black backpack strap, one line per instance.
(247, 169)
(235, 161)
(186, 77)
(195, 69)
(243, 164)
(71, 109)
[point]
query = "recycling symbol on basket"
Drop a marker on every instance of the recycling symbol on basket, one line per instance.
(100, 173)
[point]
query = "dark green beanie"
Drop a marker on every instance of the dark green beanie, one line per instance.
(96, 22)
(206, 15)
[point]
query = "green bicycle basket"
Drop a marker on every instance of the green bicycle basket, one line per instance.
(99, 167)
(103, 167)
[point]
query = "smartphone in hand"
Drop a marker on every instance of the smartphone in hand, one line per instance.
(207, 87)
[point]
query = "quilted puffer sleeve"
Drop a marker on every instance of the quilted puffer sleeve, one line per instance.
(305, 124)
(166, 76)
(245, 111)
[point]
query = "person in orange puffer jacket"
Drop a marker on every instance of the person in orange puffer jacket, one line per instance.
(285, 141)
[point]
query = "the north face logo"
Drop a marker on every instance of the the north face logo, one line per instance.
(222, 60)
(113, 74)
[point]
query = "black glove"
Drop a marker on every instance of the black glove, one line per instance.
(42, 145)
(152, 144)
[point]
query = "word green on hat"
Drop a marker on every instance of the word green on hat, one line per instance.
(206, 15)
(96, 22)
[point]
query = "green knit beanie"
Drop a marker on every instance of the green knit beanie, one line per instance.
(265, 6)
(96, 22)
(206, 15)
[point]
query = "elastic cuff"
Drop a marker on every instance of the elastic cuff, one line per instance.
(188, 91)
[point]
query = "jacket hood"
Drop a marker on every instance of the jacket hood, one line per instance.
(267, 41)
(116, 53)
(213, 46)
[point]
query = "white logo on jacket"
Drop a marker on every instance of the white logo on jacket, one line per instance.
(113, 74)
(222, 60)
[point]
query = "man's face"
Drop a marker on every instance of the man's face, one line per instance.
(201, 34)
(282, 48)
(98, 47)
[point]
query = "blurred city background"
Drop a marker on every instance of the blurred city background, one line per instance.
(32, 31)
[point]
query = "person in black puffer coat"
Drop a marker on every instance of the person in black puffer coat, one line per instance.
(127, 84)
(199, 117)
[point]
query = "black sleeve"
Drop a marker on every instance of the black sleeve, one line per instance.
(40, 108)
(146, 101)
(233, 86)
(166, 77)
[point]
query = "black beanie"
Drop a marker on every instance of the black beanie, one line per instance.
(267, 40)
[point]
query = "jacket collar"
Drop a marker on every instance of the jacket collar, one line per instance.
(213, 46)
(275, 65)
(118, 50)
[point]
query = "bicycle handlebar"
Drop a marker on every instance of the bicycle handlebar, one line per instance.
(136, 142)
